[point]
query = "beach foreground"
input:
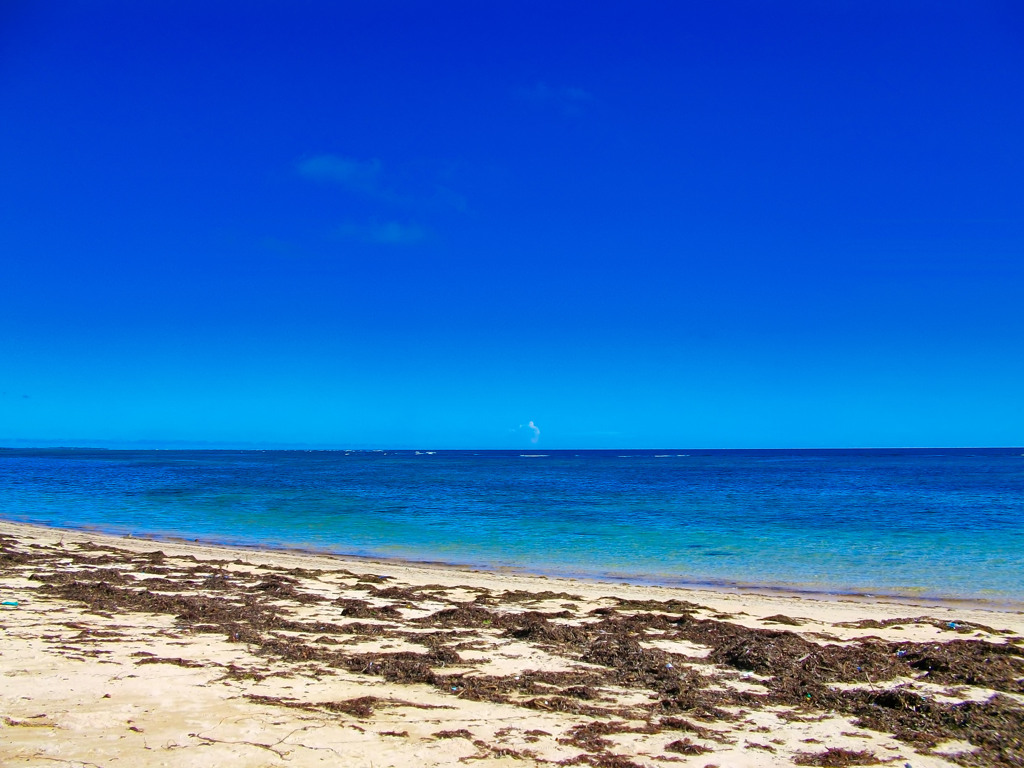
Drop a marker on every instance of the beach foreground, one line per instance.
(134, 652)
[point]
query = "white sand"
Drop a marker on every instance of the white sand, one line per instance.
(74, 691)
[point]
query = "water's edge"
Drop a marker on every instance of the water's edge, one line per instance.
(740, 588)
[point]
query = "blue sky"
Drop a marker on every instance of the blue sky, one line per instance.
(405, 224)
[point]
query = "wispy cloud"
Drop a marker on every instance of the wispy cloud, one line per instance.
(382, 233)
(366, 178)
(420, 197)
(361, 176)
(568, 100)
(394, 233)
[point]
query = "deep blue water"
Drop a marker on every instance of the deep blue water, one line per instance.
(933, 523)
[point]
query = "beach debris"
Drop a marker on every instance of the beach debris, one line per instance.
(836, 756)
(460, 733)
(686, 747)
(798, 678)
(10, 603)
(177, 661)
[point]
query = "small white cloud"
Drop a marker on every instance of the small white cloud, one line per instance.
(531, 429)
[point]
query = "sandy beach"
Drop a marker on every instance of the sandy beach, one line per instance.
(123, 651)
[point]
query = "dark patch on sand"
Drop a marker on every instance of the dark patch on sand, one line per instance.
(675, 692)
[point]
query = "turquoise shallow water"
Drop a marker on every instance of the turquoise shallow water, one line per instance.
(929, 523)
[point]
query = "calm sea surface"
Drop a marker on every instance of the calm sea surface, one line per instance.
(930, 523)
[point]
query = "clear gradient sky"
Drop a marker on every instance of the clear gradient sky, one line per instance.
(410, 224)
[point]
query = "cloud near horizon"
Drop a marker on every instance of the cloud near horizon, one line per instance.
(532, 428)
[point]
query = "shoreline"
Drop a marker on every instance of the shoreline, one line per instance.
(1003, 605)
(178, 653)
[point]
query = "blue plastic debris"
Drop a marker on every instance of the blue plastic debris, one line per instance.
(13, 603)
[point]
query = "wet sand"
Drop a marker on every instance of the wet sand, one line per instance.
(123, 651)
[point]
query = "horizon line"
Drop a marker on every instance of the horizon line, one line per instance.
(185, 445)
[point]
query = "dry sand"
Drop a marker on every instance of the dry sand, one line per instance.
(131, 652)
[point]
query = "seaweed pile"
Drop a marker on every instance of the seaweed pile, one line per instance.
(609, 651)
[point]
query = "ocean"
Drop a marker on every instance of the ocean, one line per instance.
(928, 523)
